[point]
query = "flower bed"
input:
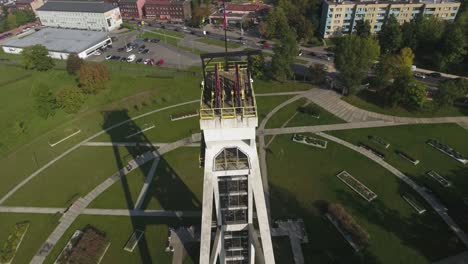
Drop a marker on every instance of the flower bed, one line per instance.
(436, 176)
(357, 186)
(413, 203)
(354, 234)
(88, 247)
(311, 141)
(407, 157)
(371, 149)
(379, 141)
(133, 240)
(184, 115)
(8, 251)
(447, 150)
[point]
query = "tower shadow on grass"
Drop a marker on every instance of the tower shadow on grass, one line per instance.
(166, 187)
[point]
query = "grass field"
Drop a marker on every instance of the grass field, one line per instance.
(177, 184)
(150, 249)
(39, 229)
(411, 139)
(169, 33)
(290, 112)
(302, 179)
(219, 43)
(369, 101)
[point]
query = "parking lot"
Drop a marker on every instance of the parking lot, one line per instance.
(161, 54)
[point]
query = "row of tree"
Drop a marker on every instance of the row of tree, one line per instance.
(92, 78)
(13, 20)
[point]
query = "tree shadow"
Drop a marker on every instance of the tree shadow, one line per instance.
(166, 187)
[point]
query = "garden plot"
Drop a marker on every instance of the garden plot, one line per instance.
(372, 150)
(8, 250)
(379, 141)
(357, 186)
(184, 115)
(85, 246)
(61, 136)
(436, 176)
(414, 204)
(447, 150)
(311, 141)
(407, 157)
(133, 240)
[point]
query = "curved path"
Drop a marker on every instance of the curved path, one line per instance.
(430, 199)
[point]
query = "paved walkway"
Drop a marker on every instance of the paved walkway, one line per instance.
(331, 101)
(146, 184)
(430, 199)
(297, 235)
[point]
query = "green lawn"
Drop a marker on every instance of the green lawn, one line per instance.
(411, 139)
(282, 249)
(290, 112)
(369, 101)
(170, 33)
(150, 249)
(266, 103)
(39, 229)
(74, 176)
(219, 43)
(177, 184)
(303, 178)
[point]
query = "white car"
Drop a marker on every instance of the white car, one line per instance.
(131, 58)
(97, 53)
(420, 75)
(146, 61)
(108, 57)
(129, 48)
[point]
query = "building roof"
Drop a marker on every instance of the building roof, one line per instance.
(60, 40)
(77, 6)
(164, 2)
(245, 7)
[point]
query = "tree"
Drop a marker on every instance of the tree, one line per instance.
(353, 57)
(44, 101)
(24, 16)
(452, 47)
(451, 90)
(285, 51)
(70, 98)
(407, 92)
(37, 57)
(199, 15)
(363, 28)
(317, 73)
(257, 65)
(409, 38)
(93, 77)
(390, 36)
(74, 63)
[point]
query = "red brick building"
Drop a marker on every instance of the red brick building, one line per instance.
(173, 10)
(131, 8)
(31, 5)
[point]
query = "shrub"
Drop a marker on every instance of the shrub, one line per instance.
(347, 223)
(70, 99)
(37, 57)
(74, 63)
(93, 77)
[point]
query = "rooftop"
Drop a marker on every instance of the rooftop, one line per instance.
(60, 40)
(399, 2)
(77, 6)
(246, 7)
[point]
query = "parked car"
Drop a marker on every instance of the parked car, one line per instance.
(123, 58)
(323, 57)
(108, 57)
(140, 60)
(160, 62)
(145, 40)
(131, 58)
(129, 48)
(145, 51)
(300, 52)
(155, 40)
(435, 74)
(97, 53)
(116, 58)
(266, 46)
(420, 75)
(146, 61)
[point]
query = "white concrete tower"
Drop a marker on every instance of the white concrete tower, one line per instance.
(232, 180)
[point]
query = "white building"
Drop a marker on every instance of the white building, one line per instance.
(61, 42)
(87, 15)
(232, 186)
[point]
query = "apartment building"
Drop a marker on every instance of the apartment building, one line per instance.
(86, 15)
(340, 17)
(132, 9)
(172, 10)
